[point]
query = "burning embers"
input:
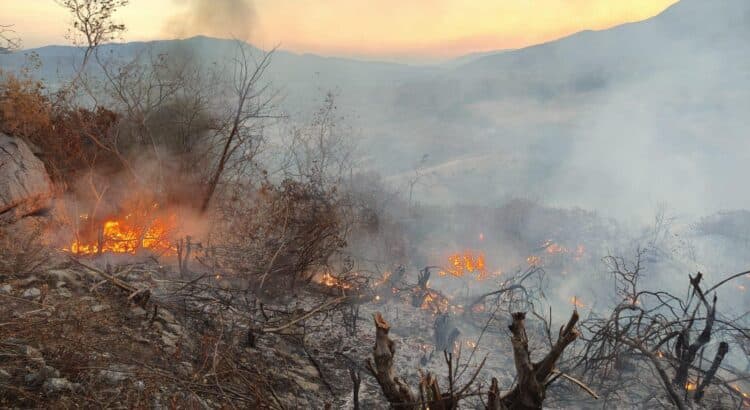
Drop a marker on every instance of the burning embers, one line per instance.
(553, 249)
(466, 263)
(147, 229)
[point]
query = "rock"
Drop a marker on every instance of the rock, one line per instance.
(28, 280)
(64, 292)
(169, 339)
(175, 328)
(306, 385)
(6, 289)
(25, 187)
(116, 374)
(166, 316)
(63, 277)
(33, 354)
(138, 311)
(31, 293)
(40, 376)
(99, 308)
(185, 369)
(307, 371)
(58, 385)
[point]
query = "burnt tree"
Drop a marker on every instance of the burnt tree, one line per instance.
(528, 393)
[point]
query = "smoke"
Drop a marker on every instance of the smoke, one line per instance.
(215, 18)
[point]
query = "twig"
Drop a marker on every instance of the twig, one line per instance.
(305, 316)
(575, 381)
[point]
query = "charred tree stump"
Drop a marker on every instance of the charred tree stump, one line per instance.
(528, 393)
(396, 391)
(421, 291)
(445, 333)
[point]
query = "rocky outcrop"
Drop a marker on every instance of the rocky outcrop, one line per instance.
(25, 186)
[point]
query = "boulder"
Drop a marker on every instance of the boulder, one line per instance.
(25, 187)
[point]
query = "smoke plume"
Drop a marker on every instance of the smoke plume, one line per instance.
(215, 18)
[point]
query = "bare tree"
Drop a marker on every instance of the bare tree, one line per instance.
(528, 393)
(93, 23)
(657, 329)
(252, 103)
(8, 40)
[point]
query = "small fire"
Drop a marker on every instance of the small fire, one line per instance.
(333, 282)
(478, 308)
(128, 235)
(471, 344)
(690, 386)
(534, 260)
(468, 262)
(659, 354)
(580, 252)
(554, 248)
(745, 396)
(384, 279)
(577, 302)
(435, 302)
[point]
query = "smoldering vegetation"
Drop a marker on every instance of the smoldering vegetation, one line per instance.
(219, 211)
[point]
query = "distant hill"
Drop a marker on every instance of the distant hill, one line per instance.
(618, 120)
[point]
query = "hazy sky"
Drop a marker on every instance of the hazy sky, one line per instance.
(408, 30)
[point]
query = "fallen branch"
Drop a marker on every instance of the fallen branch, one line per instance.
(305, 316)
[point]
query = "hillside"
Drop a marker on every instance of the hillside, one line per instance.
(551, 121)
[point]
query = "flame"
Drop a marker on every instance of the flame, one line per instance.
(580, 252)
(331, 281)
(745, 396)
(690, 386)
(468, 262)
(128, 235)
(577, 302)
(554, 248)
(534, 260)
(435, 302)
(386, 276)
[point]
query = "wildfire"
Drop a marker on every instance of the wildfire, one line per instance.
(745, 396)
(534, 260)
(435, 302)
(384, 280)
(127, 235)
(464, 263)
(554, 248)
(333, 282)
(577, 302)
(690, 386)
(580, 252)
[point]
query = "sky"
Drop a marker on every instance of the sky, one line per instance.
(394, 30)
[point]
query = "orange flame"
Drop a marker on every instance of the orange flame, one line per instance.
(125, 235)
(577, 302)
(435, 302)
(690, 386)
(464, 263)
(333, 282)
(534, 260)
